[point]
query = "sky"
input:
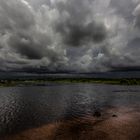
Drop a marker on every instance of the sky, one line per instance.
(70, 35)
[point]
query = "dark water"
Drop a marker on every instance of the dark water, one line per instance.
(26, 107)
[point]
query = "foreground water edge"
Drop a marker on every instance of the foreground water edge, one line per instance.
(62, 111)
(123, 126)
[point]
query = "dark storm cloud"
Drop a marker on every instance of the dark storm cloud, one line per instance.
(25, 48)
(76, 35)
(75, 27)
(71, 35)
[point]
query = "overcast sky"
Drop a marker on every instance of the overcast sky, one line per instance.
(70, 35)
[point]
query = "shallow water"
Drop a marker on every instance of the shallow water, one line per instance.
(27, 107)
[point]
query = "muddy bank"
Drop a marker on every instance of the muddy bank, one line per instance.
(117, 124)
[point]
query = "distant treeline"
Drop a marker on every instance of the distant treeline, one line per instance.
(98, 80)
(20, 82)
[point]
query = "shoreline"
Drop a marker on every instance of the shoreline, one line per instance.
(123, 125)
(43, 82)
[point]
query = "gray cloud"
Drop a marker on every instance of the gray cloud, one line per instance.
(136, 13)
(75, 35)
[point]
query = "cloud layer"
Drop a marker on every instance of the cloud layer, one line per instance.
(69, 35)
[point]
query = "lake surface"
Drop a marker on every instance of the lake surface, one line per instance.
(26, 107)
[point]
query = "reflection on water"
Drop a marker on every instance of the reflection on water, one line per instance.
(25, 107)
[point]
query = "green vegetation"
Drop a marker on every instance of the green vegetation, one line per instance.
(95, 80)
(19, 82)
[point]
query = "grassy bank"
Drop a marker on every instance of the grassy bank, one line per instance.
(19, 82)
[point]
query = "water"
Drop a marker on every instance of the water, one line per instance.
(27, 107)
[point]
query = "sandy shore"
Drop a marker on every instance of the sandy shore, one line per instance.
(117, 124)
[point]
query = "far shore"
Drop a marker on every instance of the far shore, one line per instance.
(43, 82)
